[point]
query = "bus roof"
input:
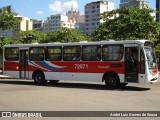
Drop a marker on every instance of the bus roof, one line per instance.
(104, 42)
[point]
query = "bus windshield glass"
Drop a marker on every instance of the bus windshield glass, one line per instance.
(150, 58)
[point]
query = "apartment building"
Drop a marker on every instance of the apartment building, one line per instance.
(76, 16)
(57, 21)
(78, 19)
(139, 3)
(8, 8)
(24, 24)
(93, 11)
(37, 25)
(7, 33)
(124, 1)
(72, 19)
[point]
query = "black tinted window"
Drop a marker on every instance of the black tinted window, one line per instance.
(36, 54)
(12, 54)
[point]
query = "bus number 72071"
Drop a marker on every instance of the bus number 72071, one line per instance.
(81, 66)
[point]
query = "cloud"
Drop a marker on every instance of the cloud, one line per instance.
(59, 7)
(39, 12)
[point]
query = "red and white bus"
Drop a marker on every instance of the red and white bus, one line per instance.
(112, 62)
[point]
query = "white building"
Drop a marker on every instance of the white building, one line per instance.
(138, 3)
(93, 11)
(37, 25)
(72, 19)
(55, 22)
(24, 24)
(76, 16)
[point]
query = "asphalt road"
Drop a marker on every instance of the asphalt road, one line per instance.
(24, 95)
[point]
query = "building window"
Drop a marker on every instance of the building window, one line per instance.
(93, 11)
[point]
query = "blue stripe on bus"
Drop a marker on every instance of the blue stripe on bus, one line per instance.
(44, 64)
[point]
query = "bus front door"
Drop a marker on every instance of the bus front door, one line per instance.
(131, 64)
(23, 64)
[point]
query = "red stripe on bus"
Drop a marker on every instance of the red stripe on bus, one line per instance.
(75, 66)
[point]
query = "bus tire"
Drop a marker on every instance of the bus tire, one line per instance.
(53, 81)
(112, 80)
(39, 78)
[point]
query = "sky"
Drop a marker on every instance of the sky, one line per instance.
(41, 9)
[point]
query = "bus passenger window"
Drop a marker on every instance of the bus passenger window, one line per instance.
(91, 53)
(71, 53)
(113, 52)
(76, 57)
(53, 53)
(36, 54)
(12, 54)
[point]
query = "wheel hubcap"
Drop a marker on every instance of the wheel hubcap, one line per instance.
(38, 77)
(112, 81)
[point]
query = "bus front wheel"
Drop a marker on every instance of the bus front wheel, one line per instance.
(112, 80)
(39, 78)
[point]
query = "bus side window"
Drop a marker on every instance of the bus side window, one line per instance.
(53, 53)
(71, 53)
(36, 54)
(91, 53)
(112, 52)
(40, 58)
(12, 54)
(77, 57)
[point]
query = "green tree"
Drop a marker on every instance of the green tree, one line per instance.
(128, 23)
(7, 20)
(27, 37)
(65, 35)
(4, 41)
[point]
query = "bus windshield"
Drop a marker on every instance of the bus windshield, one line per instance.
(150, 58)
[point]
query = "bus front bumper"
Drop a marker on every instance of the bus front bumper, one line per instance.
(151, 79)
